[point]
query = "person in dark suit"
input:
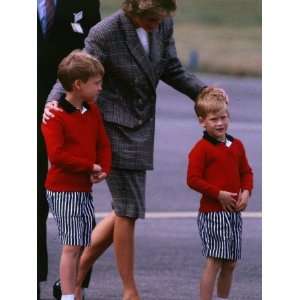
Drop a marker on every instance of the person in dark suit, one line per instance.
(62, 26)
(137, 48)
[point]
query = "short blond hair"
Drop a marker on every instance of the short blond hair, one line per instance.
(211, 100)
(143, 8)
(78, 65)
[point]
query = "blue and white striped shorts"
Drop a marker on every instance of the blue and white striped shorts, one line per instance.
(74, 215)
(221, 234)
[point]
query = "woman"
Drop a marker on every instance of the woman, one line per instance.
(137, 49)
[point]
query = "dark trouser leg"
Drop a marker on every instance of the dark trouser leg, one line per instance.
(42, 211)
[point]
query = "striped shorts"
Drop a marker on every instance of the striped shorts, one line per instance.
(221, 234)
(74, 215)
(127, 188)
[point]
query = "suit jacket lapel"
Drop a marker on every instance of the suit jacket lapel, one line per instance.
(137, 49)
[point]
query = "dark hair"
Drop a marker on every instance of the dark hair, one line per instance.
(148, 7)
(78, 65)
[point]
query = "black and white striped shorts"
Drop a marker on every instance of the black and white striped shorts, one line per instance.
(221, 234)
(127, 188)
(74, 215)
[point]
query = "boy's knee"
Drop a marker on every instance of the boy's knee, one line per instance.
(213, 263)
(72, 251)
(228, 266)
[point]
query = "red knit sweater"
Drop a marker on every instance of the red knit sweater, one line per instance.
(213, 167)
(75, 142)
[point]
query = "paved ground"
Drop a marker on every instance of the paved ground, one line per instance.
(168, 250)
(168, 263)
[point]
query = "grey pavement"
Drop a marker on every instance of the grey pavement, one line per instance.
(168, 251)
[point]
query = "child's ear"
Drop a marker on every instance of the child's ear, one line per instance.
(77, 84)
(201, 121)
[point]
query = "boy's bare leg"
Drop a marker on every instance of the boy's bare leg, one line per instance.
(102, 238)
(68, 268)
(124, 249)
(208, 278)
(225, 278)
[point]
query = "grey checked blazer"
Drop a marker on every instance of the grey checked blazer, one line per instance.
(131, 76)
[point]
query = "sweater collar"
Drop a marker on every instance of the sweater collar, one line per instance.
(215, 141)
(70, 108)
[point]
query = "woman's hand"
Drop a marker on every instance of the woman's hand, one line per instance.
(52, 105)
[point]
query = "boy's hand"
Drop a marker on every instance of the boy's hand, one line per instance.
(52, 105)
(97, 174)
(227, 201)
(242, 200)
(97, 177)
(96, 169)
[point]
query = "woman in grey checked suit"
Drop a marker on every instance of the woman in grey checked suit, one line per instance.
(137, 49)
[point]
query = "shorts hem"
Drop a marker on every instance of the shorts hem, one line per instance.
(222, 257)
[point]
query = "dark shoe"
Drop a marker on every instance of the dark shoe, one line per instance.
(56, 291)
(38, 291)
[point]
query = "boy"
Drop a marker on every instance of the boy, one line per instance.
(80, 155)
(218, 168)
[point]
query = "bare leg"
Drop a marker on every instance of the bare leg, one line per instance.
(68, 268)
(208, 278)
(124, 249)
(102, 238)
(225, 278)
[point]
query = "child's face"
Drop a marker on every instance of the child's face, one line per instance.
(90, 90)
(216, 124)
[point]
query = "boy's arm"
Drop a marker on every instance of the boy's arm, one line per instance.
(195, 173)
(54, 138)
(246, 173)
(104, 155)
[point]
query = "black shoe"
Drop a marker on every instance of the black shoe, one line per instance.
(38, 291)
(56, 291)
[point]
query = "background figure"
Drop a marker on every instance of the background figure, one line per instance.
(62, 26)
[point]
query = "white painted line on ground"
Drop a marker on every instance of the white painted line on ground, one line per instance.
(179, 215)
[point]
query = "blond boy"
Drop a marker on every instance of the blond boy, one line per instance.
(219, 170)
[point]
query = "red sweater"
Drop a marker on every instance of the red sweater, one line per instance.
(75, 141)
(214, 167)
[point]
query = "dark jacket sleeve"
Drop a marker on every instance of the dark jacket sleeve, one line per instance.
(174, 74)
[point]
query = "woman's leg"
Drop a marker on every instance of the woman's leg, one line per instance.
(124, 249)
